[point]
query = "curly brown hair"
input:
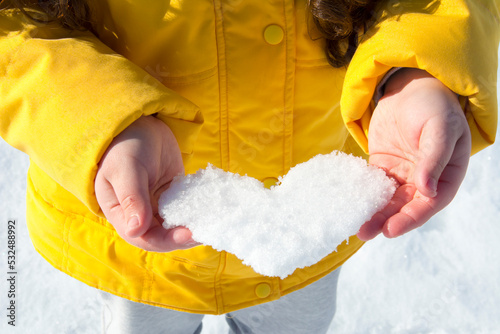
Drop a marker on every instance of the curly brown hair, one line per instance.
(340, 22)
(71, 14)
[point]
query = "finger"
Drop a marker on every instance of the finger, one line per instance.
(375, 225)
(156, 238)
(436, 149)
(414, 214)
(106, 198)
(438, 144)
(132, 215)
(420, 208)
(159, 239)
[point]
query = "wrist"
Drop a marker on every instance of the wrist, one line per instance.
(402, 78)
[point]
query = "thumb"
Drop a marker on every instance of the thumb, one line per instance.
(133, 197)
(435, 150)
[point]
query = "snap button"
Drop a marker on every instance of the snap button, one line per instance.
(273, 34)
(269, 182)
(263, 290)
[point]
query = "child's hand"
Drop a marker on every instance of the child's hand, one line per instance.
(419, 135)
(133, 172)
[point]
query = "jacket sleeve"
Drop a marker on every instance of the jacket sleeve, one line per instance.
(454, 40)
(65, 95)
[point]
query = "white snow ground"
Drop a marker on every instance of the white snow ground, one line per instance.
(442, 278)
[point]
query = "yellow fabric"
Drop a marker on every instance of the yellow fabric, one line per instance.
(231, 99)
(455, 41)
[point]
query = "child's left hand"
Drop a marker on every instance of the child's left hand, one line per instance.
(419, 135)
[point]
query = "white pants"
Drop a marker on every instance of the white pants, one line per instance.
(309, 310)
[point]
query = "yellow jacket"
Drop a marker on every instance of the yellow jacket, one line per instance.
(243, 85)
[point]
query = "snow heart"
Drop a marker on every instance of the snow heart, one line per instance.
(314, 208)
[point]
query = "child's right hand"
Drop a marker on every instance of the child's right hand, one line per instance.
(420, 136)
(136, 168)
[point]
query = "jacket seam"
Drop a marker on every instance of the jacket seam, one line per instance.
(289, 82)
(285, 86)
(148, 279)
(222, 81)
(109, 231)
(65, 247)
(184, 261)
(191, 78)
(219, 302)
(68, 212)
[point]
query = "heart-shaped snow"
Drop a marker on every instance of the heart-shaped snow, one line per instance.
(317, 205)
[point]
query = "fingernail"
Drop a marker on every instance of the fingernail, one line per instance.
(133, 222)
(183, 237)
(191, 243)
(432, 185)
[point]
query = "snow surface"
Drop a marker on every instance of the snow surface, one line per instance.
(441, 278)
(313, 209)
